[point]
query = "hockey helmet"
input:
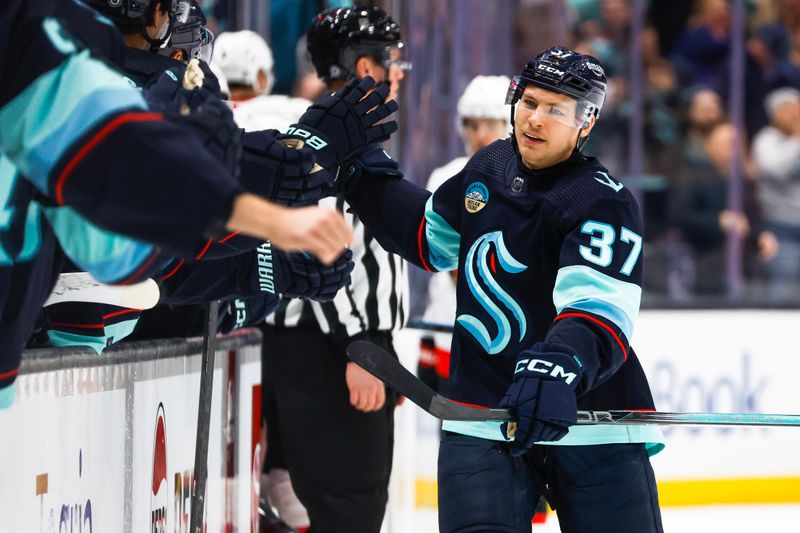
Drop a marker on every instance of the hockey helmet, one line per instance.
(483, 98)
(564, 71)
(338, 37)
(241, 55)
(133, 15)
(192, 37)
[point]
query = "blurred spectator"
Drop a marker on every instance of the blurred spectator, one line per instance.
(704, 113)
(704, 45)
(776, 152)
(700, 210)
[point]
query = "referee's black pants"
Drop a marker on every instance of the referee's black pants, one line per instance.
(339, 459)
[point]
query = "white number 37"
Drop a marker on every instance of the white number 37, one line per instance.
(600, 251)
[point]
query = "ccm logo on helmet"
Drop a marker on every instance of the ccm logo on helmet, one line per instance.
(551, 70)
(311, 140)
(545, 367)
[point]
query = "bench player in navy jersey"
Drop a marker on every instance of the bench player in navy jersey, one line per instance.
(548, 249)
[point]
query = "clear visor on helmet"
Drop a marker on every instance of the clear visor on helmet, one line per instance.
(397, 55)
(539, 104)
(205, 49)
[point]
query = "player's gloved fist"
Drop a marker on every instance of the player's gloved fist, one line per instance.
(542, 395)
(301, 275)
(285, 175)
(345, 122)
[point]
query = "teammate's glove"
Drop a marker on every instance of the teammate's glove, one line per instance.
(301, 275)
(203, 112)
(542, 395)
(284, 175)
(345, 122)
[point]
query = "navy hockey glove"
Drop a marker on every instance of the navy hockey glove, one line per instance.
(203, 112)
(284, 175)
(301, 275)
(542, 395)
(371, 161)
(345, 122)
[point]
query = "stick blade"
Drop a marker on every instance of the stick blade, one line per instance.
(386, 368)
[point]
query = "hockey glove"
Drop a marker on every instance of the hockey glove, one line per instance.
(301, 275)
(371, 161)
(542, 395)
(345, 122)
(284, 175)
(203, 113)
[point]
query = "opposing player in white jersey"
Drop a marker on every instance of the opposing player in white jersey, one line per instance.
(246, 61)
(481, 118)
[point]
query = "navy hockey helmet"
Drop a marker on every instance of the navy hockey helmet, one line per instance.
(134, 15)
(338, 37)
(564, 71)
(192, 37)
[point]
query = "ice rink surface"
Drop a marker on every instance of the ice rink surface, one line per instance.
(718, 519)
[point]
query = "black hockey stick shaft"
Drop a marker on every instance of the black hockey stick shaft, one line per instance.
(204, 417)
(382, 365)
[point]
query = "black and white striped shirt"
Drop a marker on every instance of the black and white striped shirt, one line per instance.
(375, 300)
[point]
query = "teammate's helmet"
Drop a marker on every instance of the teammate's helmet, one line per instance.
(483, 98)
(563, 71)
(133, 15)
(338, 37)
(240, 55)
(192, 37)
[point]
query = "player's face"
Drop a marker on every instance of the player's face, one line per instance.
(545, 127)
(482, 132)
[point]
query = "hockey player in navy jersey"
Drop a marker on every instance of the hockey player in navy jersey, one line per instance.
(548, 248)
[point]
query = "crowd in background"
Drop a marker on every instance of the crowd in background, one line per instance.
(688, 141)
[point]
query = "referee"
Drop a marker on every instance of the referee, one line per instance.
(329, 422)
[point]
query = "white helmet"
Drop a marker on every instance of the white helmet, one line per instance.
(484, 97)
(240, 55)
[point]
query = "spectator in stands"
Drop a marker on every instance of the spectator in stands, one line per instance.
(704, 45)
(776, 153)
(704, 113)
(700, 210)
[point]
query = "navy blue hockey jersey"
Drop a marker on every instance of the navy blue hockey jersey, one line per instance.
(550, 255)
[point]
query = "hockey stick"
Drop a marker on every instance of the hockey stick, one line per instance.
(204, 418)
(382, 365)
(82, 287)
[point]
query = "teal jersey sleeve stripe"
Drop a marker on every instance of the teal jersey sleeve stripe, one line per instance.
(583, 288)
(112, 334)
(108, 257)
(651, 436)
(57, 109)
(7, 396)
(443, 240)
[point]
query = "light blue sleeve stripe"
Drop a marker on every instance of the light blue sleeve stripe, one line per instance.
(581, 287)
(108, 257)
(7, 396)
(58, 108)
(113, 333)
(650, 436)
(443, 240)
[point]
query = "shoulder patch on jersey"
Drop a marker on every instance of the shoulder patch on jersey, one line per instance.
(477, 196)
(605, 179)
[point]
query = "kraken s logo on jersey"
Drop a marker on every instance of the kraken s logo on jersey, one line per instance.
(476, 197)
(481, 257)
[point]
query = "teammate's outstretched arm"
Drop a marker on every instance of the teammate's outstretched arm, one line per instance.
(406, 219)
